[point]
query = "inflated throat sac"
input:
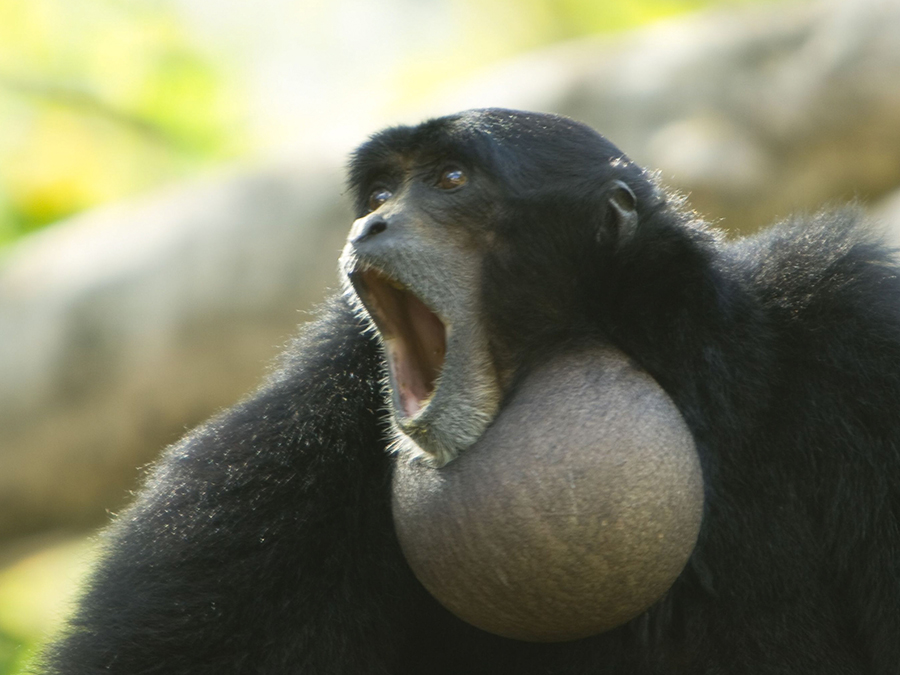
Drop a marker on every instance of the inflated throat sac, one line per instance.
(575, 511)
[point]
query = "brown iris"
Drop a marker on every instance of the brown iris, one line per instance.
(451, 178)
(378, 197)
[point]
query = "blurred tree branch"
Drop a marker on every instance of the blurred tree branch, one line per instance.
(86, 102)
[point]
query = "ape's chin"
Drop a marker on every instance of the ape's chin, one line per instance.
(465, 401)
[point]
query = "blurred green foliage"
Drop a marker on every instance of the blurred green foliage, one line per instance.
(36, 589)
(99, 99)
(535, 23)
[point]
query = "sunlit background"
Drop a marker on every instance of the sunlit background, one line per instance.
(109, 101)
(101, 99)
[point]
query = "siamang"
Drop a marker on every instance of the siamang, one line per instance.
(487, 241)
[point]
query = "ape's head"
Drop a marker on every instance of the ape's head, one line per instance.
(476, 250)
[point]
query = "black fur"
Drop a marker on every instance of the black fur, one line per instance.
(263, 542)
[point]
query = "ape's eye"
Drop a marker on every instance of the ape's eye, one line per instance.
(452, 178)
(378, 197)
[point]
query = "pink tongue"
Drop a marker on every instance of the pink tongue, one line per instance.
(416, 358)
(414, 337)
(430, 333)
(407, 378)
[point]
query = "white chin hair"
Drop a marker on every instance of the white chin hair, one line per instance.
(405, 447)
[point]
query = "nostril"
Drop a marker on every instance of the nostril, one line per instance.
(369, 229)
(374, 228)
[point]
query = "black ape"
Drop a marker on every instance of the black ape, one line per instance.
(263, 542)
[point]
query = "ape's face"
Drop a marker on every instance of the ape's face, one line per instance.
(414, 259)
(462, 220)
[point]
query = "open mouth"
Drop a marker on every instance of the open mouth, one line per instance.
(415, 339)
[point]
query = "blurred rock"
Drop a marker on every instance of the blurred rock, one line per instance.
(120, 329)
(124, 327)
(755, 112)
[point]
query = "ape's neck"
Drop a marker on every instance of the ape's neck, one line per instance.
(677, 309)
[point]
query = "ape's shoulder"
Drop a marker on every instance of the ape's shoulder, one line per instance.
(336, 341)
(242, 508)
(821, 266)
(322, 404)
(331, 364)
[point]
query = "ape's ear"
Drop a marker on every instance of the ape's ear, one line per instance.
(621, 213)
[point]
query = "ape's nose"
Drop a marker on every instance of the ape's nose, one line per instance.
(366, 228)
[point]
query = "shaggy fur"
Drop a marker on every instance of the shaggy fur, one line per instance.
(263, 544)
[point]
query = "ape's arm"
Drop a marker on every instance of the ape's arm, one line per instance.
(263, 541)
